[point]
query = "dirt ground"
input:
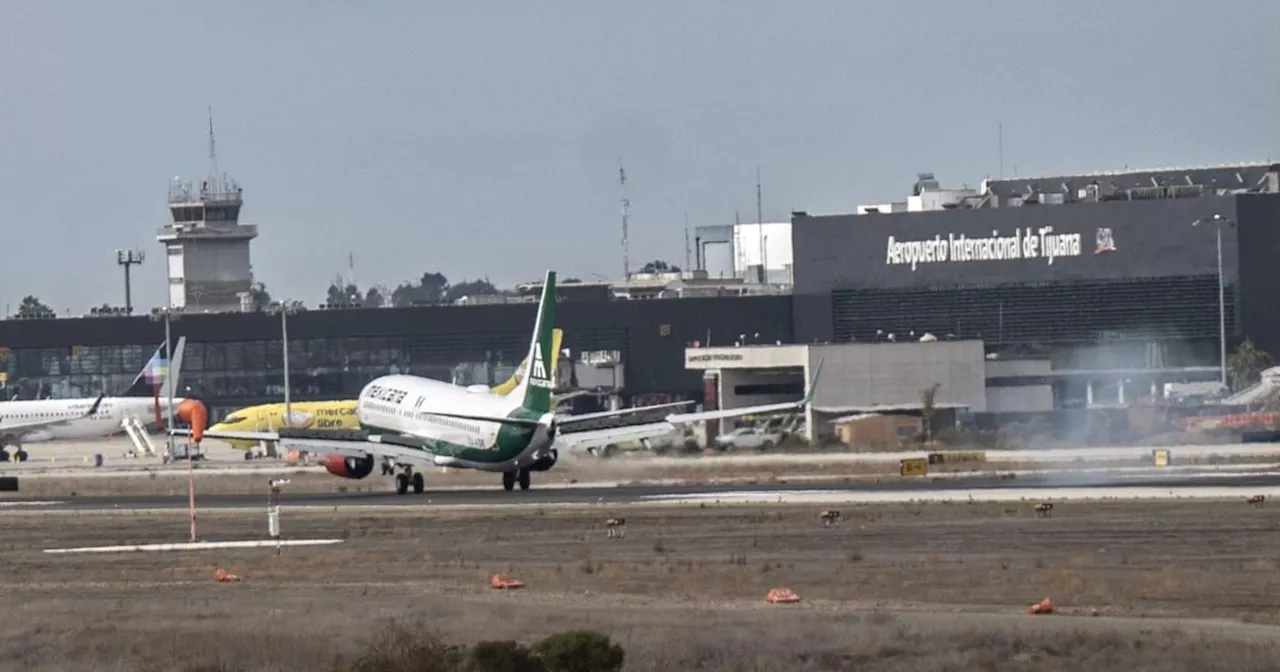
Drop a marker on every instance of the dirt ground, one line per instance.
(212, 478)
(891, 587)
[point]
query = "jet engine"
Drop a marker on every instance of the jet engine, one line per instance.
(545, 462)
(348, 467)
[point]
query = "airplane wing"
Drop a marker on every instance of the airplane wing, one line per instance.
(584, 434)
(39, 424)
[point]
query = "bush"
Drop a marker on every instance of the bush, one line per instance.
(407, 649)
(505, 656)
(579, 651)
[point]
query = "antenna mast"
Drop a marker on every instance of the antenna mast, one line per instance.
(760, 225)
(687, 250)
(626, 205)
(213, 157)
(1000, 145)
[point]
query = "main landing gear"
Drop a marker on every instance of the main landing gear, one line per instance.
(509, 479)
(19, 456)
(409, 477)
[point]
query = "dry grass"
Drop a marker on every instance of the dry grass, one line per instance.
(683, 590)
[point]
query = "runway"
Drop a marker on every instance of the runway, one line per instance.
(994, 487)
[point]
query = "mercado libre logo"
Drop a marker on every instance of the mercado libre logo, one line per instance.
(1042, 244)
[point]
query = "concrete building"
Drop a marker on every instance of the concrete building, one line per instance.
(855, 377)
(1112, 278)
(207, 248)
(742, 250)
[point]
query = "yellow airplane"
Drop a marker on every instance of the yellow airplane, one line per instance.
(331, 415)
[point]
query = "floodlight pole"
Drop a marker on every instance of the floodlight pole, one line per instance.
(1218, 220)
(169, 384)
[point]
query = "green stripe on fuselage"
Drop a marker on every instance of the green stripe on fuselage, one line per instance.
(512, 440)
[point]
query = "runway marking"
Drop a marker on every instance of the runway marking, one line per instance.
(49, 503)
(962, 495)
(197, 546)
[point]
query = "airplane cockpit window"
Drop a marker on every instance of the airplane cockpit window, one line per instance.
(233, 419)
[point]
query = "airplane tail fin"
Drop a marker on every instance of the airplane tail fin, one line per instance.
(534, 389)
(504, 388)
(158, 372)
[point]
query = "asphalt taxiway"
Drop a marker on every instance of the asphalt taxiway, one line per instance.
(1191, 485)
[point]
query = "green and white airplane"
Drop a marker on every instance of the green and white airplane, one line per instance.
(408, 421)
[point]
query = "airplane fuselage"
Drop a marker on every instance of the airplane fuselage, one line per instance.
(402, 404)
(107, 420)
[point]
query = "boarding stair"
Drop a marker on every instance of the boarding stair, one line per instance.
(138, 435)
(1258, 392)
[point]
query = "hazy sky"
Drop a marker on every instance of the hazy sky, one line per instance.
(482, 138)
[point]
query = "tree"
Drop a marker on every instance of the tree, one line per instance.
(928, 406)
(470, 288)
(659, 266)
(342, 295)
(261, 297)
(373, 298)
(33, 307)
(1245, 365)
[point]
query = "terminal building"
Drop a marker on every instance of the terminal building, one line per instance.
(1109, 281)
(1021, 296)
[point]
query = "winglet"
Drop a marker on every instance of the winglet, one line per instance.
(813, 385)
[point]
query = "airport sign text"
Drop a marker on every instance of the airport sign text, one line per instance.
(1028, 243)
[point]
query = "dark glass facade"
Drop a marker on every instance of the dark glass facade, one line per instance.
(236, 359)
(1134, 280)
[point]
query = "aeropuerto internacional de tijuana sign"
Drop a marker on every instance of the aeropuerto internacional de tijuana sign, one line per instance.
(1026, 243)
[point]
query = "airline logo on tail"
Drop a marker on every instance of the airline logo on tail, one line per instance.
(157, 368)
(538, 372)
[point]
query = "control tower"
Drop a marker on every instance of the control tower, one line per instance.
(207, 247)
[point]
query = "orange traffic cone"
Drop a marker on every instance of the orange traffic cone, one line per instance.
(223, 576)
(504, 582)
(1044, 606)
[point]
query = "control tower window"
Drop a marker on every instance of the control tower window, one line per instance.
(222, 214)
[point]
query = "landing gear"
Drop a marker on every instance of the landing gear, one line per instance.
(510, 478)
(407, 478)
(19, 455)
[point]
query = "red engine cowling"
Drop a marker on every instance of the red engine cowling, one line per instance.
(348, 467)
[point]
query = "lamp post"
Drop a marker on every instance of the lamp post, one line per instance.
(167, 314)
(1218, 221)
(285, 307)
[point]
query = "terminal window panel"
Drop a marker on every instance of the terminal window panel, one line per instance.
(1043, 313)
(319, 367)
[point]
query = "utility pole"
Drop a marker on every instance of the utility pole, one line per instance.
(285, 307)
(167, 314)
(127, 259)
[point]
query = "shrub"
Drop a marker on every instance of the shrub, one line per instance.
(579, 651)
(407, 649)
(506, 656)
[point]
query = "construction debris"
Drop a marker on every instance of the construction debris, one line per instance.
(1044, 606)
(504, 582)
(782, 596)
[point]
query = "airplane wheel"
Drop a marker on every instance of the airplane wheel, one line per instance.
(4, 455)
(418, 484)
(20, 456)
(524, 479)
(402, 484)
(508, 481)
